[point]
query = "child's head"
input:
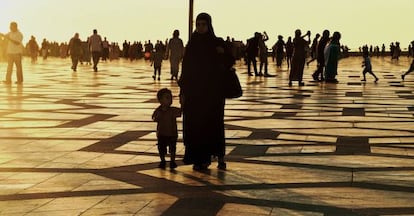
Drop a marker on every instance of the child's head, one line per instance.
(164, 97)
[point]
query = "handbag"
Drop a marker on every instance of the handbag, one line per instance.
(232, 87)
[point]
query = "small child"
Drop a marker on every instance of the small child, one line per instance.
(367, 65)
(411, 69)
(156, 60)
(165, 115)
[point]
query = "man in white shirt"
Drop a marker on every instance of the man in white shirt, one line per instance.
(14, 53)
(95, 45)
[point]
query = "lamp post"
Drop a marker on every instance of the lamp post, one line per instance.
(190, 19)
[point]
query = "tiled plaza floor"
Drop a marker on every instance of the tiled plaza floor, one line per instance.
(84, 144)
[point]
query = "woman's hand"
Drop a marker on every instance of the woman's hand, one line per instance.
(182, 99)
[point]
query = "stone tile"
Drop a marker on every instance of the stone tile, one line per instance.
(84, 143)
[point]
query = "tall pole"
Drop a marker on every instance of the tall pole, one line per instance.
(190, 19)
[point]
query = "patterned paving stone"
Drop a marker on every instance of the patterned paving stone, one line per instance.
(84, 144)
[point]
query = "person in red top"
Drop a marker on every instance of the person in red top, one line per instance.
(166, 117)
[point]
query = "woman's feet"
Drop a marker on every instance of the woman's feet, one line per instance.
(222, 166)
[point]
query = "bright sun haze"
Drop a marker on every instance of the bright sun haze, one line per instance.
(360, 22)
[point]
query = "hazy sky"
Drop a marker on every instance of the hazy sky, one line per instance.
(359, 21)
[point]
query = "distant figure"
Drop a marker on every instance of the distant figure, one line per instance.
(314, 49)
(252, 49)
(75, 50)
(166, 117)
(33, 49)
(86, 53)
(332, 54)
(289, 51)
(392, 48)
(105, 49)
(411, 69)
(299, 57)
(14, 53)
(263, 54)
(397, 51)
(320, 56)
(95, 45)
(45, 49)
(156, 61)
(367, 65)
(175, 52)
(279, 50)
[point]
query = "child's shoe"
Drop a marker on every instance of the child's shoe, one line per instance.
(161, 165)
(159, 78)
(173, 165)
(376, 80)
(153, 77)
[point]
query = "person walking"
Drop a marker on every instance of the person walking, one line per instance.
(95, 45)
(367, 66)
(175, 52)
(320, 56)
(75, 50)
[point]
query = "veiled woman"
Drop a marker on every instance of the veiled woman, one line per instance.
(202, 97)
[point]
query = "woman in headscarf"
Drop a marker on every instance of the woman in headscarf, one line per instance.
(202, 97)
(332, 54)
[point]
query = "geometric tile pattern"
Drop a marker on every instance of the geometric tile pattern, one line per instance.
(84, 144)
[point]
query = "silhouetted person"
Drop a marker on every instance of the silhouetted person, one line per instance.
(95, 45)
(166, 117)
(392, 48)
(397, 51)
(314, 49)
(14, 53)
(33, 49)
(252, 49)
(105, 49)
(299, 57)
(289, 51)
(202, 95)
(175, 52)
(279, 51)
(320, 56)
(411, 69)
(156, 61)
(332, 55)
(86, 53)
(263, 54)
(367, 66)
(75, 50)
(45, 49)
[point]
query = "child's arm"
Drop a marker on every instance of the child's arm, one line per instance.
(155, 115)
(177, 112)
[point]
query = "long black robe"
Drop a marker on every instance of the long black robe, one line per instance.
(201, 84)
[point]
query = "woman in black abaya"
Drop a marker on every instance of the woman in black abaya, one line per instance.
(202, 96)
